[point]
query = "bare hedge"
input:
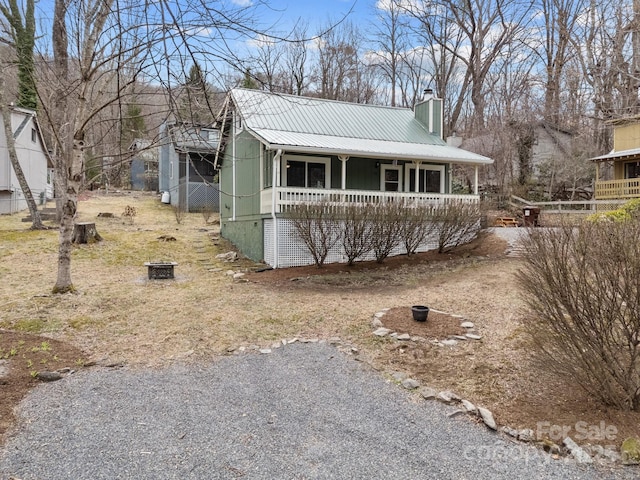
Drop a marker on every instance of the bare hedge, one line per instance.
(380, 228)
(356, 236)
(582, 289)
(315, 224)
(456, 223)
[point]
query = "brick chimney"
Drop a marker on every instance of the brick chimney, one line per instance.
(428, 112)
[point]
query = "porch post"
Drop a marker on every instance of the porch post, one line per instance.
(475, 185)
(343, 159)
(275, 183)
(417, 163)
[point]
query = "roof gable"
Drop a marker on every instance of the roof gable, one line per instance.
(23, 120)
(287, 113)
(329, 127)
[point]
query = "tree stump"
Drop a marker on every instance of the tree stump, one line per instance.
(85, 232)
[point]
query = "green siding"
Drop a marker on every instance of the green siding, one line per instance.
(437, 115)
(362, 174)
(246, 232)
(423, 113)
(246, 235)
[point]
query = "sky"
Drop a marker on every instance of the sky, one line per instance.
(317, 12)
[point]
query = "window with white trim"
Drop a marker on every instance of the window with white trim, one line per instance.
(430, 179)
(390, 178)
(307, 172)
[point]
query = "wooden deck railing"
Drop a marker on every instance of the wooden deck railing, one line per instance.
(617, 189)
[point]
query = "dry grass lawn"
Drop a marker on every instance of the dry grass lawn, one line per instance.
(117, 315)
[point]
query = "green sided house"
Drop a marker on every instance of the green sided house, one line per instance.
(278, 150)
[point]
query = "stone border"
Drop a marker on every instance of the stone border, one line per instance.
(581, 455)
(451, 341)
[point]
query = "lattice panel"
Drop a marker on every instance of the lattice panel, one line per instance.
(292, 251)
(201, 195)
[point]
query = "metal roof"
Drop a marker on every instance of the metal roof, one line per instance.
(617, 155)
(331, 127)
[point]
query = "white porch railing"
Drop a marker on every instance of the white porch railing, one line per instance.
(287, 196)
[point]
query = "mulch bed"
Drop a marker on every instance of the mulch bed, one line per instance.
(438, 325)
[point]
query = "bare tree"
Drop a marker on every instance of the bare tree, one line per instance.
(445, 73)
(267, 63)
(560, 22)
(36, 221)
(296, 60)
(484, 28)
(389, 33)
(339, 63)
(606, 41)
(100, 49)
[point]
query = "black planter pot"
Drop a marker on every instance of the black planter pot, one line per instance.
(420, 313)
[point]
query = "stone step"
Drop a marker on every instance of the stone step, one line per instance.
(43, 216)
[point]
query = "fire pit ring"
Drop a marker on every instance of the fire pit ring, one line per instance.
(160, 270)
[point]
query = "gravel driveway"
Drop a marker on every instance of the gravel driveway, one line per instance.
(304, 411)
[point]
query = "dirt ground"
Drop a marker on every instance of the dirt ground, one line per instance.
(22, 356)
(119, 316)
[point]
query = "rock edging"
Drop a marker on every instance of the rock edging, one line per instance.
(568, 448)
(451, 341)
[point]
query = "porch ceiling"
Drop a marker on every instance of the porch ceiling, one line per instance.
(359, 147)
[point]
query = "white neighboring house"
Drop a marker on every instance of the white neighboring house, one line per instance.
(34, 159)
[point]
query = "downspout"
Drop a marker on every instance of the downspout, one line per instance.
(274, 197)
(233, 174)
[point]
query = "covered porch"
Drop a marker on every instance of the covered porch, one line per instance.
(298, 179)
(617, 189)
(624, 167)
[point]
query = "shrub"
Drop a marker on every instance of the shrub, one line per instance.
(206, 211)
(179, 213)
(386, 228)
(582, 289)
(356, 235)
(628, 211)
(415, 225)
(316, 226)
(130, 212)
(455, 223)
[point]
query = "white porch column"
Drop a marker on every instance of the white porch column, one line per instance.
(417, 163)
(475, 184)
(275, 183)
(343, 159)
